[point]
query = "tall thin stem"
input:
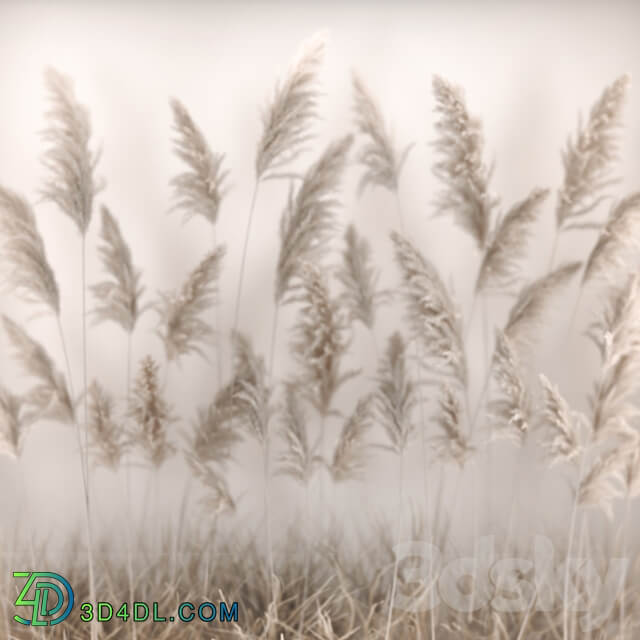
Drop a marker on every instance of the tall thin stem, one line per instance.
(625, 531)
(127, 482)
(267, 504)
(425, 481)
(307, 559)
(209, 548)
(572, 527)
(574, 312)
(400, 212)
(267, 453)
(474, 525)
(94, 626)
(554, 248)
(394, 584)
(216, 326)
(513, 509)
(236, 314)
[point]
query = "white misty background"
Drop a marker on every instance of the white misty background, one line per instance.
(527, 68)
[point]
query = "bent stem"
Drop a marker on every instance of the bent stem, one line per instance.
(394, 584)
(245, 247)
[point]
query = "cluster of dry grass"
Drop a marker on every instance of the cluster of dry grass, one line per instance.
(419, 394)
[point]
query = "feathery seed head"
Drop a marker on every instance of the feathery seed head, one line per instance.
(378, 156)
(72, 184)
(108, 438)
(287, 120)
(396, 394)
(118, 298)
(617, 336)
(604, 482)
(562, 426)
(619, 239)
(151, 415)
(359, 279)
(534, 300)
(320, 339)
(50, 398)
(201, 189)
(13, 425)
(349, 456)
(588, 159)
(500, 266)
(512, 410)
(249, 394)
(309, 217)
(214, 434)
(452, 445)
(183, 330)
(460, 145)
(29, 273)
(434, 321)
(298, 460)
